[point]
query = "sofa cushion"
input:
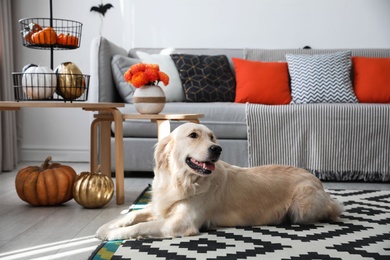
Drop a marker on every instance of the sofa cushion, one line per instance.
(371, 79)
(101, 86)
(321, 78)
(226, 119)
(174, 91)
(119, 65)
(262, 82)
(205, 78)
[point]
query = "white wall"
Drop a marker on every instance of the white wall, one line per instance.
(260, 23)
(186, 23)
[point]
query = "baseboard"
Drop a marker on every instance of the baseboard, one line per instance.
(63, 155)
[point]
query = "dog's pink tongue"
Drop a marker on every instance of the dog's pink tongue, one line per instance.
(209, 166)
(205, 165)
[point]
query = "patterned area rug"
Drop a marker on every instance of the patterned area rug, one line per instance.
(363, 232)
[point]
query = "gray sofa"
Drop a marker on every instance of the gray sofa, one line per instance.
(228, 120)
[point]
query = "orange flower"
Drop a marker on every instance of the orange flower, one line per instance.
(128, 76)
(141, 74)
(151, 73)
(153, 66)
(139, 79)
(163, 77)
(137, 67)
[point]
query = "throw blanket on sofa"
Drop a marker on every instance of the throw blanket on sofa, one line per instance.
(333, 141)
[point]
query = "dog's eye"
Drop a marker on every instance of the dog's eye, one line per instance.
(193, 135)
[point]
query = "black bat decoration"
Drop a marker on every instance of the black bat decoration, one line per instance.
(102, 9)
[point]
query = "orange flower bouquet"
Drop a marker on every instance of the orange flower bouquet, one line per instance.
(142, 74)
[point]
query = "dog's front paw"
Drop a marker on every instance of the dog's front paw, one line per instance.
(114, 234)
(102, 232)
(106, 235)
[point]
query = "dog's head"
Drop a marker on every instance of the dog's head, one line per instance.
(190, 145)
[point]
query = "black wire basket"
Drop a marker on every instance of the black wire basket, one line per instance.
(50, 86)
(46, 33)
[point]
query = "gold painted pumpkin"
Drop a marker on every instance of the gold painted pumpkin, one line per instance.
(71, 82)
(45, 185)
(93, 190)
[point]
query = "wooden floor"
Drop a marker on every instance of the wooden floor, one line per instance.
(60, 232)
(67, 231)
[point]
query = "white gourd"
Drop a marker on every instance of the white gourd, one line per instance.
(39, 82)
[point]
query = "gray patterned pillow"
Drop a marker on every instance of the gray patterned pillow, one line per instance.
(321, 78)
(119, 65)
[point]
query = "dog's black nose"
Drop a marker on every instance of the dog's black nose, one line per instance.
(215, 149)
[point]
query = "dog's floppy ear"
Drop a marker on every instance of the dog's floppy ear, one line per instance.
(161, 152)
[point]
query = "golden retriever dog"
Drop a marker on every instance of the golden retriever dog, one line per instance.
(192, 189)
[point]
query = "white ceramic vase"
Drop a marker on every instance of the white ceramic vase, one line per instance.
(149, 99)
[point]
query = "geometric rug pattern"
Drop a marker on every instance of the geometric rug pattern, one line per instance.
(363, 232)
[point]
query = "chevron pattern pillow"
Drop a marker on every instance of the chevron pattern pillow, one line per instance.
(321, 78)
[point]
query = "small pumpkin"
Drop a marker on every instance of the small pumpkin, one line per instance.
(30, 30)
(71, 83)
(93, 190)
(67, 40)
(39, 82)
(26, 67)
(46, 36)
(46, 185)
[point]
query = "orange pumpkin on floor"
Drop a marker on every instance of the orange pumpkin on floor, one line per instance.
(46, 36)
(45, 185)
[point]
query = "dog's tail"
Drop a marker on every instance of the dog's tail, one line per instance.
(334, 209)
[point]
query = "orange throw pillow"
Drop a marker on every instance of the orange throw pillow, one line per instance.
(371, 79)
(262, 82)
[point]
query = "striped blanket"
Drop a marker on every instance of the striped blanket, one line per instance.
(333, 141)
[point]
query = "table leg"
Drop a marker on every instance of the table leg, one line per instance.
(163, 128)
(196, 121)
(94, 146)
(105, 147)
(119, 163)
